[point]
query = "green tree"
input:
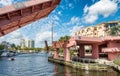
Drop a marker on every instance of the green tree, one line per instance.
(18, 47)
(38, 49)
(25, 48)
(51, 48)
(2, 47)
(115, 30)
(65, 38)
(13, 47)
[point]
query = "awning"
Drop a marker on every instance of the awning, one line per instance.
(116, 49)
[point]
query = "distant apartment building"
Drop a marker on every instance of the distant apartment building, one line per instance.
(22, 43)
(99, 30)
(31, 43)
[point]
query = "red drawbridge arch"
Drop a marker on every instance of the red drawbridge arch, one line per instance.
(18, 15)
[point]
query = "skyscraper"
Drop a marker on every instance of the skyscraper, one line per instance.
(22, 43)
(31, 43)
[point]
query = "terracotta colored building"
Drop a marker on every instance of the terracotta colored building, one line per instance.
(99, 30)
(100, 47)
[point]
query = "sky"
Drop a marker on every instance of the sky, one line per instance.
(69, 17)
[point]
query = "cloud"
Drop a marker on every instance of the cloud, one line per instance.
(59, 13)
(13, 37)
(70, 5)
(16, 35)
(43, 29)
(75, 29)
(42, 36)
(74, 25)
(6, 2)
(74, 20)
(64, 28)
(102, 7)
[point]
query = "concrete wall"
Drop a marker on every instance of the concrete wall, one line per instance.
(113, 44)
(112, 56)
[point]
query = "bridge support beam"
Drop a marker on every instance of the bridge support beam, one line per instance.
(95, 51)
(82, 51)
(66, 54)
(55, 54)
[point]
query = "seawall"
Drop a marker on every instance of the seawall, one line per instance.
(81, 66)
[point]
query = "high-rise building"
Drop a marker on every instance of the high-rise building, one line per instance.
(99, 30)
(31, 43)
(22, 43)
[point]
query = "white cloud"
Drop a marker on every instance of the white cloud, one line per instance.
(70, 5)
(2, 39)
(13, 37)
(44, 31)
(91, 18)
(16, 34)
(118, 1)
(74, 20)
(6, 2)
(86, 8)
(42, 36)
(75, 29)
(55, 17)
(102, 7)
(59, 13)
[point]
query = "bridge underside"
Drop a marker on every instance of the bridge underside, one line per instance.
(16, 16)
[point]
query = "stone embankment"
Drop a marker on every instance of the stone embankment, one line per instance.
(81, 66)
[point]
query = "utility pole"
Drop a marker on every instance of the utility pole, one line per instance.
(52, 33)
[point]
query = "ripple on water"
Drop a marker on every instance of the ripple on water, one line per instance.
(38, 65)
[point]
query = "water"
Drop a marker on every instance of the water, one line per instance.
(38, 65)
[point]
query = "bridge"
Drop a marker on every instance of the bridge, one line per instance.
(13, 17)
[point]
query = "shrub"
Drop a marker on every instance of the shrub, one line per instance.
(117, 61)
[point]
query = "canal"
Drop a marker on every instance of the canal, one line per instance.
(38, 65)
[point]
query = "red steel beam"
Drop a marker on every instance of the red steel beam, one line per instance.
(13, 17)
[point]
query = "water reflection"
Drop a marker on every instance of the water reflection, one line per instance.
(60, 70)
(67, 71)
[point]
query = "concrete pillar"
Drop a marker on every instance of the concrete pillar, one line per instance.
(55, 54)
(82, 51)
(66, 54)
(95, 51)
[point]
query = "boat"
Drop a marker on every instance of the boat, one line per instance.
(8, 54)
(4, 54)
(12, 59)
